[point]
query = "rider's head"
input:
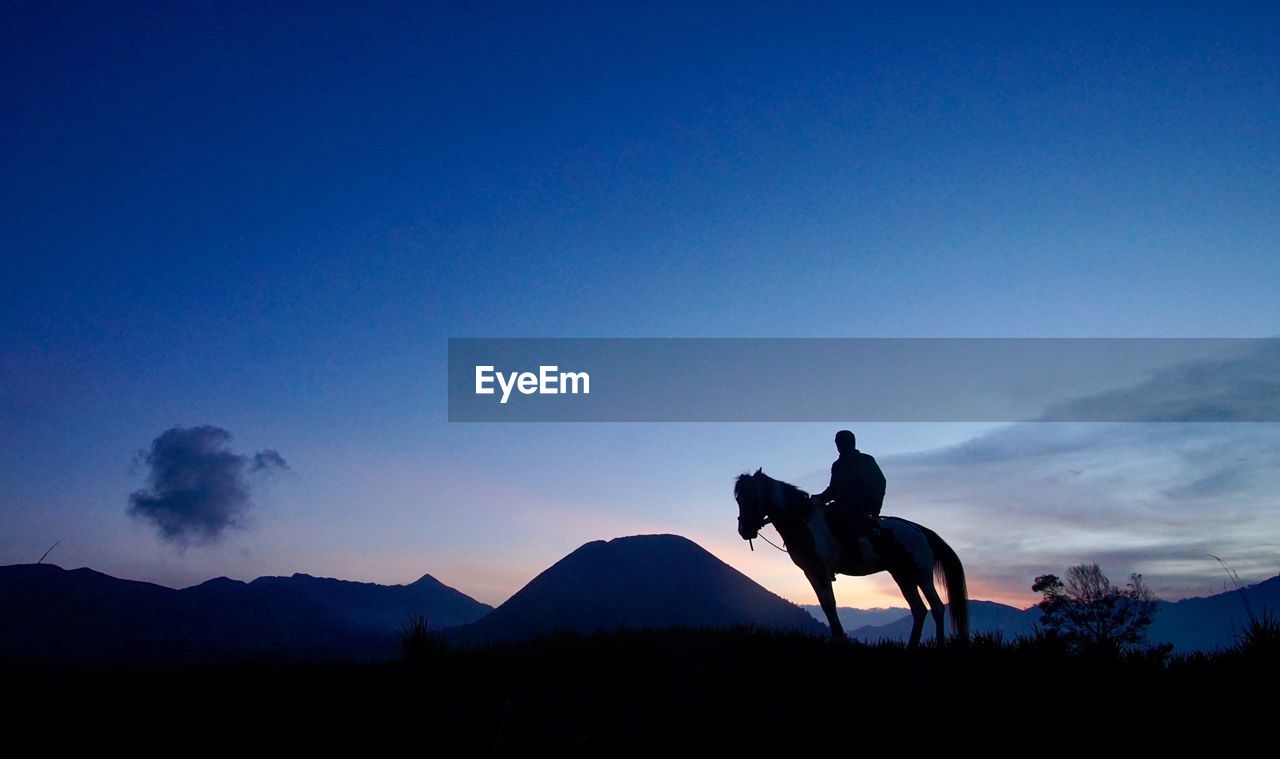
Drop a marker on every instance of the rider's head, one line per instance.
(845, 441)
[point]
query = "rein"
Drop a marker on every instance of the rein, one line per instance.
(751, 543)
(770, 542)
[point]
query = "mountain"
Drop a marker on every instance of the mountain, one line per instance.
(1213, 622)
(1192, 624)
(646, 581)
(383, 608)
(853, 618)
(984, 617)
(50, 612)
(638, 582)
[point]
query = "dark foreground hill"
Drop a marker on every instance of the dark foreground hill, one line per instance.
(47, 612)
(722, 691)
(638, 582)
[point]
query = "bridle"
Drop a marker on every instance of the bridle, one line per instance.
(764, 519)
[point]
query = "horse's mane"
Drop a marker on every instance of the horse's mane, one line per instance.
(787, 488)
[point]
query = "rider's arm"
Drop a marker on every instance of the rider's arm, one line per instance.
(826, 494)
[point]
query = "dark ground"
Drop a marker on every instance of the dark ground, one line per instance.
(736, 689)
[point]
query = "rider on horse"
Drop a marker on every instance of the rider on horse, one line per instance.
(856, 493)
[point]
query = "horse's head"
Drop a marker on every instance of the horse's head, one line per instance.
(751, 491)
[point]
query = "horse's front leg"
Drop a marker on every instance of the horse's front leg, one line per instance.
(827, 598)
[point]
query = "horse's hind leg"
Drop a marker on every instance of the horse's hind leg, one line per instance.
(908, 587)
(938, 608)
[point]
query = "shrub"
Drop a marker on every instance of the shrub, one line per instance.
(1091, 615)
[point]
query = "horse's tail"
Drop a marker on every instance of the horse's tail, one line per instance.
(947, 570)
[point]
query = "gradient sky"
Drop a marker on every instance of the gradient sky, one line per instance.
(270, 218)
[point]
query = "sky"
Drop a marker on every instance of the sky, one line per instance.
(268, 219)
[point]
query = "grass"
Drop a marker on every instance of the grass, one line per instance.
(735, 689)
(418, 644)
(1260, 639)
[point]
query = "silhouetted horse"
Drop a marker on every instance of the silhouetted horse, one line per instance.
(910, 553)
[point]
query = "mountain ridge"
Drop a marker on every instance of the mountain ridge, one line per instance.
(50, 612)
(1197, 623)
(631, 582)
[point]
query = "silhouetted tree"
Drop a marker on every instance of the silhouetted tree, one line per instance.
(1090, 614)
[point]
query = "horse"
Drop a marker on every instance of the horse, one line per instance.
(913, 555)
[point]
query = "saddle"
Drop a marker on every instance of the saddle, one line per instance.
(850, 528)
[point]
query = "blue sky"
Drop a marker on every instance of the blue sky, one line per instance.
(270, 218)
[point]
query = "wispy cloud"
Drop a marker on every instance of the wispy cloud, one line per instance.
(1152, 497)
(1236, 388)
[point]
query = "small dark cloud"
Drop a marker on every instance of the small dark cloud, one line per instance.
(268, 458)
(196, 485)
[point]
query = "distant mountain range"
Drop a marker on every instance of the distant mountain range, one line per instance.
(984, 617)
(649, 581)
(1192, 624)
(380, 608)
(645, 581)
(50, 612)
(853, 618)
(639, 582)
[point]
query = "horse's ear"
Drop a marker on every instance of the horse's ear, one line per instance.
(759, 472)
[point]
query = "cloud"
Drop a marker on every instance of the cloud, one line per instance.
(268, 459)
(1244, 387)
(196, 486)
(1154, 498)
(1150, 497)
